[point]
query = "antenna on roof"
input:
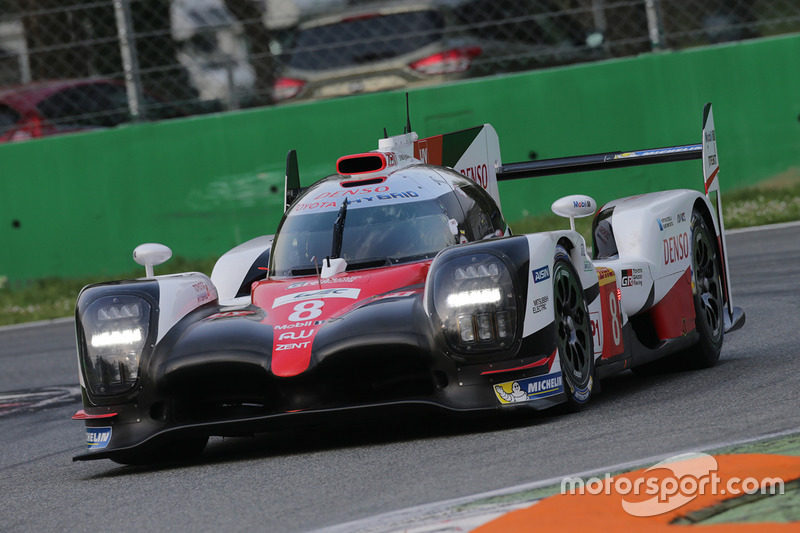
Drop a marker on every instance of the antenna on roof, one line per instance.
(385, 135)
(408, 116)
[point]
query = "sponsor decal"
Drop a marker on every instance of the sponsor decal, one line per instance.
(676, 248)
(581, 395)
(479, 174)
(581, 203)
(597, 332)
(97, 438)
(523, 390)
(229, 314)
(422, 149)
(295, 335)
(292, 346)
(605, 276)
(587, 266)
(541, 274)
(680, 218)
(363, 199)
(202, 292)
(664, 223)
(351, 279)
(632, 277)
(540, 304)
(358, 191)
(661, 151)
(340, 292)
(583, 250)
(306, 324)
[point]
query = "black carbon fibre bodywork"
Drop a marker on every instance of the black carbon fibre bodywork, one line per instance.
(211, 373)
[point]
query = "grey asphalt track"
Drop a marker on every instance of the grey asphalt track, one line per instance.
(303, 480)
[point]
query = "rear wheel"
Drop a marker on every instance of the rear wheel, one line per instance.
(709, 301)
(573, 332)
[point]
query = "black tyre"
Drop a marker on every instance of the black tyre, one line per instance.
(709, 299)
(573, 332)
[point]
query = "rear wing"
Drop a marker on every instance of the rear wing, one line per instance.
(705, 150)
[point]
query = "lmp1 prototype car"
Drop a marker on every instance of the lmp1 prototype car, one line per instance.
(396, 282)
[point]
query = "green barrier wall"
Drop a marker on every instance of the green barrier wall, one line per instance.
(78, 205)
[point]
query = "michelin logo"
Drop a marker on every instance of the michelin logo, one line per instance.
(97, 438)
(524, 390)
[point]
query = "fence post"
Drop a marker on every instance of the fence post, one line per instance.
(130, 61)
(654, 26)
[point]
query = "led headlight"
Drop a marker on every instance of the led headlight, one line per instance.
(475, 301)
(115, 330)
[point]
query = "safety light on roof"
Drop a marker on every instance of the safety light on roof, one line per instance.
(449, 62)
(286, 88)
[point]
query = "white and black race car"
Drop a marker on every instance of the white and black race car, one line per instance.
(396, 283)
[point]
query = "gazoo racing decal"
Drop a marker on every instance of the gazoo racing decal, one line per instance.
(632, 277)
(607, 324)
(523, 390)
(676, 248)
(97, 438)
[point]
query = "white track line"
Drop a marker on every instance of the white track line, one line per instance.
(750, 229)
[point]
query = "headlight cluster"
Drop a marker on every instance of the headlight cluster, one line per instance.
(475, 300)
(116, 329)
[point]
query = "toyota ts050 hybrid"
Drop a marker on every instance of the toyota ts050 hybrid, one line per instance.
(396, 282)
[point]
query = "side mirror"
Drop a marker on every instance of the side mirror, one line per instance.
(150, 254)
(574, 206)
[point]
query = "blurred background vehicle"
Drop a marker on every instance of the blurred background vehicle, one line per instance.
(217, 55)
(391, 45)
(64, 106)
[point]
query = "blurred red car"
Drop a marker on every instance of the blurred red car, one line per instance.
(51, 108)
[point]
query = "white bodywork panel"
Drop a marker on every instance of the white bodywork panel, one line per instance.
(230, 269)
(653, 234)
(179, 295)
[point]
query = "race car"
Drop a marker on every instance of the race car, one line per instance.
(396, 283)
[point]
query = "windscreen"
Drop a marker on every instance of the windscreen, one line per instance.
(374, 235)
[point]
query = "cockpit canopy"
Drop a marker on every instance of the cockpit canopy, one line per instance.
(409, 215)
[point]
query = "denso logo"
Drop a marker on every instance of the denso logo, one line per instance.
(676, 249)
(479, 174)
(581, 203)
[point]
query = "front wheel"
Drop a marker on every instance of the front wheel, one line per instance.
(573, 332)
